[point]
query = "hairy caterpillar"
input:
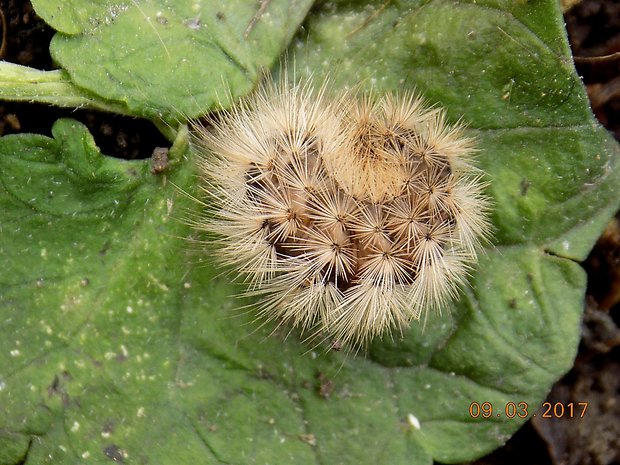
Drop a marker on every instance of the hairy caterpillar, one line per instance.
(349, 215)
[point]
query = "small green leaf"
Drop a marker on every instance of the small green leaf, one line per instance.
(170, 60)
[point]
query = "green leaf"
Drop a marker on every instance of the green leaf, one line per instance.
(121, 342)
(170, 59)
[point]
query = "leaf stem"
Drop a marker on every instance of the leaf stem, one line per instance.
(23, 84)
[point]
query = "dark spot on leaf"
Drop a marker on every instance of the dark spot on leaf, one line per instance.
(525, 185)
(56, 387)
(114, 453)
(262, 374)
(105, 247)
(325, 387)
(108, 427)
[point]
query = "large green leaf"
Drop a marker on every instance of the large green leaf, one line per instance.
(122, 342)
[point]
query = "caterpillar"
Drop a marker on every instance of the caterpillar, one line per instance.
(349, 215)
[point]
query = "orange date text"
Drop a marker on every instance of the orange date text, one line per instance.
(522, 409)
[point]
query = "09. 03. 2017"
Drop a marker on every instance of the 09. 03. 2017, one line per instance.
(521, 410)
